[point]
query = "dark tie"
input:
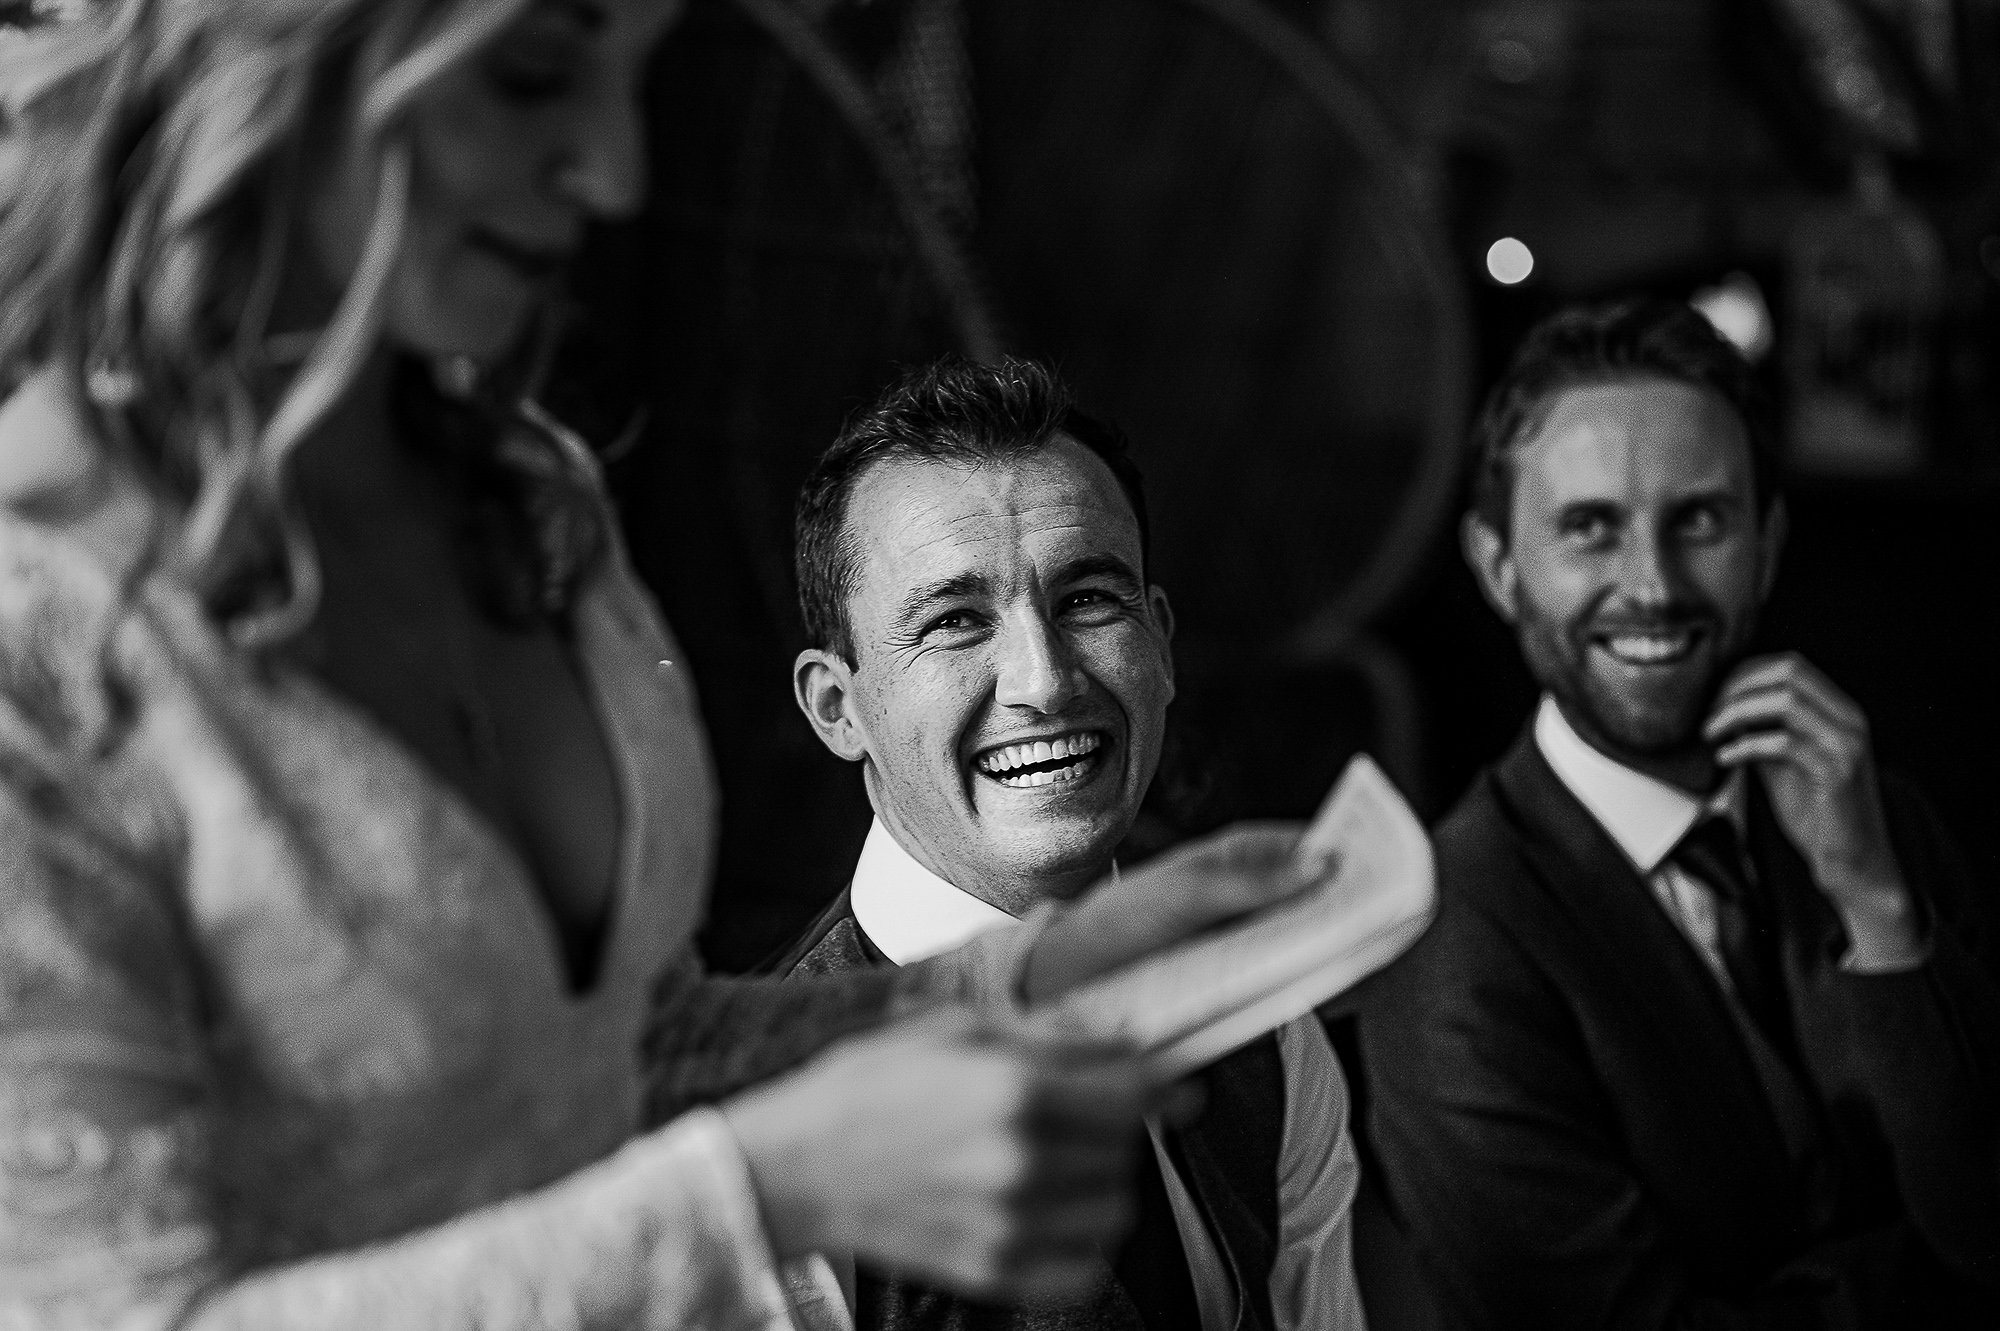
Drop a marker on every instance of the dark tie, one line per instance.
(1151, 1265)
(1745, 925)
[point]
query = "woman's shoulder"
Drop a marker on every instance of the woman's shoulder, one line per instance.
(83, 933)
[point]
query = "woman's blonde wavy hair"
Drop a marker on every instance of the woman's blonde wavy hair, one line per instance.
(150, 170)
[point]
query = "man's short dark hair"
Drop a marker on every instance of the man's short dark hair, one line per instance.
(1595, 344)
(954, 411)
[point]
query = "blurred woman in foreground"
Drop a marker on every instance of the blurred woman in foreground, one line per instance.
(354, 810)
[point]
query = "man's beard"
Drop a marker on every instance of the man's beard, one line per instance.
(1656, 715)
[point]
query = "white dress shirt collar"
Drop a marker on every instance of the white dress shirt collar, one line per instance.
(909, 912)
(1646, 817)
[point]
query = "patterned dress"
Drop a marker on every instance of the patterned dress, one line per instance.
(285, 1039)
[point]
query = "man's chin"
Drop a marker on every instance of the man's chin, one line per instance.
(1060, 860)
(1655, 729)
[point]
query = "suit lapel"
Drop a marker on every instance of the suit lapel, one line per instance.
(1662, 996)
(1229, 1157)
(833, 944)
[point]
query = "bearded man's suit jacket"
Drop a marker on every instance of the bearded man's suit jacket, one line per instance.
(1230, 1160)
(1575, 1127)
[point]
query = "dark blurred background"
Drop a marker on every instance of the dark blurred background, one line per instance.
(1286, 244)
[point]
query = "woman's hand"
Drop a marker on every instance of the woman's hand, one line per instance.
(1189, 889)
(985, 1154)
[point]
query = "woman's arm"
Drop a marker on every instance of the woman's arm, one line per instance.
(943, 1147)
(987, 1155)
(989, 1158)
(112, 1206)
(664, 1234)
(710, 1036)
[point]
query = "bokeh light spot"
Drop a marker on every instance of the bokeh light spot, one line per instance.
(1738, 310)
(1509, 261)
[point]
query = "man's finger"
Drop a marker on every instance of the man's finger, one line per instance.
(1769, 709)
(1783, 705)
(1796, 672)
(1774, 746)
(1761, 672)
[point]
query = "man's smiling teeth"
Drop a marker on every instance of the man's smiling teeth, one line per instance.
(1650, 648)
(1041, 762)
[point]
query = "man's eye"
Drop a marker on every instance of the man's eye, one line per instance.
(1701, 524)
(1586, 528)
(1091, 602)
(952, 621)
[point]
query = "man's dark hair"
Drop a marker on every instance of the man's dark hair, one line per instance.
(954, 411)
(1595, 344)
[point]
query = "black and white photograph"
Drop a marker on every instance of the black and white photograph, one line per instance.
(999, 665)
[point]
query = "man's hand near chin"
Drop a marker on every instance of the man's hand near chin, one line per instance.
(1808, 743)
(1180, 894)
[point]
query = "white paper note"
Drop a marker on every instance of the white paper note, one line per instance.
(1213, 994)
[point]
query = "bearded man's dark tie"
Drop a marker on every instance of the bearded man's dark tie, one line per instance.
(1746, 926)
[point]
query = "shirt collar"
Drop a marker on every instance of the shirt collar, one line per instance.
(1646, 817)
(909, 912)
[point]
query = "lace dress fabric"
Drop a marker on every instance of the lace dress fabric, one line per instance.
(270, 991)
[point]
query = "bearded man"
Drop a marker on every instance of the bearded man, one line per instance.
(1705, 1031)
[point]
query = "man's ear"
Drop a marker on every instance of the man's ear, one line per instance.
(1491, 559)
(823, 685)
(1163, 615)
(1771, 536)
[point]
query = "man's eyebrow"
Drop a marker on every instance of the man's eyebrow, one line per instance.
(1722, 492)
(1099, 566)
(945, 589)
(1595, 505)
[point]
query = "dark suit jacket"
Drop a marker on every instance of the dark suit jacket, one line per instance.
(1228, 1157)
(1575, 1130)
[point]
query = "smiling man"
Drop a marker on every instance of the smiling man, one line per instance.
(1704, 1033)
(972, 569)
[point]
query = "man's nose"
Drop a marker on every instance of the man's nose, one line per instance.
(1037, 670)
(1649, 573)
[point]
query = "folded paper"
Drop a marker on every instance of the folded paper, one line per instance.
(1211, 995)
